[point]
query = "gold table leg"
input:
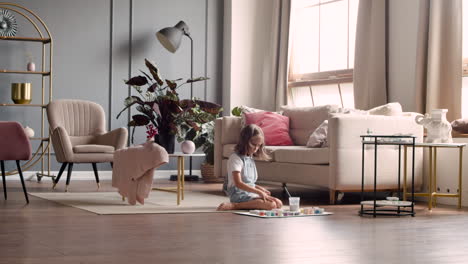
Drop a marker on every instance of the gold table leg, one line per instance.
(429, 188)
(182, 167)
(460, 168)
(179, 190)
(179, 172)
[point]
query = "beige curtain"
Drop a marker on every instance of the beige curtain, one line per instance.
(283, 22)
(255, 53)
(439, 57)
(370, 88)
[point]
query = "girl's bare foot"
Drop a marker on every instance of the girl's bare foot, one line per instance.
(225, 207)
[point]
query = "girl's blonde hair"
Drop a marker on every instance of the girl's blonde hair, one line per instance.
(246, 134)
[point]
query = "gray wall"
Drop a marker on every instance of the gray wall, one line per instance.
(98, 44)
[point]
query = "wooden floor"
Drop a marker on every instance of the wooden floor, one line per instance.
(46, 232)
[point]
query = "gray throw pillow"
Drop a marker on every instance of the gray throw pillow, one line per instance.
(318, 139)
(460, 125)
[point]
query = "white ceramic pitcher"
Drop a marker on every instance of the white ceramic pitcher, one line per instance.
(439, 130)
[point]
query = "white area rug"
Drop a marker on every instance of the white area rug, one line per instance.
(159, 202)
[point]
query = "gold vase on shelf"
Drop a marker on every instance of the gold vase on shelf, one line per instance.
(21, 93)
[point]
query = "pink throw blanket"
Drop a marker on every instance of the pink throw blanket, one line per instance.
(134, 169)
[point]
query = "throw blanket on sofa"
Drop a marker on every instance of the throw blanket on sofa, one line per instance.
(134, 169)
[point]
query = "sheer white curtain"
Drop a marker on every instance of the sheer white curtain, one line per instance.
(370, 87)
(439, 57)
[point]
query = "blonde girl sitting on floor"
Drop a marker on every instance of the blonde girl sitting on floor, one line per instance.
(242, 174)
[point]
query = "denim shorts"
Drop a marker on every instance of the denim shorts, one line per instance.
(240, 197)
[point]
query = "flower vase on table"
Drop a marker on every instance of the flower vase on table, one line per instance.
(166, 140)
(162, 137)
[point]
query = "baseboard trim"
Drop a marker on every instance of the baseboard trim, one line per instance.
(89, 175)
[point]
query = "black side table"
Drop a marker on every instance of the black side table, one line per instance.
(386, 207)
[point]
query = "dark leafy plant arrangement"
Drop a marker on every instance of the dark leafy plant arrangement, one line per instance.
(161, 110)
(197, 124)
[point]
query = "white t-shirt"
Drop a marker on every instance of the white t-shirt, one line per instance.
(234, 163)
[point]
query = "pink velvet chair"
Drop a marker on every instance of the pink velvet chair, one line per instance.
(14, 145)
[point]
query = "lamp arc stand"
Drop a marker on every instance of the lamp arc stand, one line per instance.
(189, 177)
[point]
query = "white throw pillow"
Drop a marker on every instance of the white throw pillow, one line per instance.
(246, 109)
(318, 139)
(390, 109)
(352, 111)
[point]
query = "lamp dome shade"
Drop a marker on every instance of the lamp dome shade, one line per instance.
(170, 38)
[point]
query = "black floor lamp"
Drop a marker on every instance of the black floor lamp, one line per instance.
(170, 38)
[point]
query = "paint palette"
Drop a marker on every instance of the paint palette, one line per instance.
(280, 213)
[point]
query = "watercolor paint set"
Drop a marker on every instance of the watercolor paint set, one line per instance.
(280, 213)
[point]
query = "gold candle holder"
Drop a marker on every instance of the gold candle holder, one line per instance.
(21, 93)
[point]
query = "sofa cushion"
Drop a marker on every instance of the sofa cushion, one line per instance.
(228, 149)
(92, 148)
(275, 127)
(304, 120)
(289, 154)
(301, 155)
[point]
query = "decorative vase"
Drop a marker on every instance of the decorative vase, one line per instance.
(31, 66)
(21, 93)
(187, 147)
(29, 132)
(166, 140)
(439, 130)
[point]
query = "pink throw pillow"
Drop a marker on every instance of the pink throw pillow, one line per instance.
(274, 126)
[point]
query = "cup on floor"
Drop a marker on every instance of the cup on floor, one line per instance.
(294, 203)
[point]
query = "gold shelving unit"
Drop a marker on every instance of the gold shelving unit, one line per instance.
(45, 39)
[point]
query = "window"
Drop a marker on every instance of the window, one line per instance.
(465, 60)
(322, 52)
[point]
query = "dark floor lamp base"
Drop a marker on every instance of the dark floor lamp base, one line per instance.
(186, 178)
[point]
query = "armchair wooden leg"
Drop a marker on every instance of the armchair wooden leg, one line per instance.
(3, 179)
(22, 181)
(96, 175)
(70, 169)
(62, 168)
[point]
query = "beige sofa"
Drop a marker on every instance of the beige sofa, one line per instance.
(336, 167)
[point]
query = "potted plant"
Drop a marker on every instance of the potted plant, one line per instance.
(160, 109)
(197, 124)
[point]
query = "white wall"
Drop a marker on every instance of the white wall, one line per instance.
(249, 54)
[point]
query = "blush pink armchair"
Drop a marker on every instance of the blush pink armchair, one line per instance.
(79, 135)
(14, 145)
